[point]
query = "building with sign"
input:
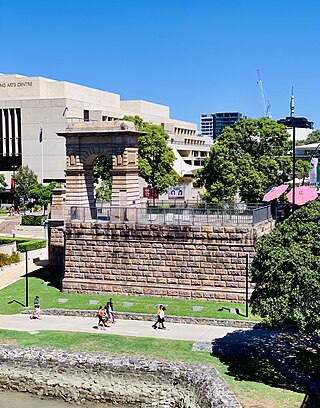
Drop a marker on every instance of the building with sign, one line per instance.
(30, 106)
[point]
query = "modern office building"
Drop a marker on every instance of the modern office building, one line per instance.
(212, 124)
(31, 104)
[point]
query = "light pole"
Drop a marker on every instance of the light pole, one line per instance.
(153, 179)
(294, 164)
(13, 181)
(27, 284)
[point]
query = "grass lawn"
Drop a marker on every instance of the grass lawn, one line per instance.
(256, 384)
(12, 300)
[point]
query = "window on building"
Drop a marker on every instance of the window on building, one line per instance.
(10, 139)
(86, 115)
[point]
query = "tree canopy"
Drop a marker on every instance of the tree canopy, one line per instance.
(3, 183)
(247, 159)
(41, 194)
(155, 156)
(24, 178)
(313, 137)
(286, 271)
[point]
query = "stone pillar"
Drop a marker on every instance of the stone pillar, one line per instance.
(57, 204)
(125, 178)
(80, 191)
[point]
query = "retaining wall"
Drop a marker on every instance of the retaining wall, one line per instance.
(159, 260)
(81, 377)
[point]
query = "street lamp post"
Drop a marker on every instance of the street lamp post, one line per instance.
(153, 179)
(13, 181)
(293, 119)
(27, 283)
(294, 164)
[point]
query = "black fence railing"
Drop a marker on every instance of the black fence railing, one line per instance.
(178, 215)
(261, 214)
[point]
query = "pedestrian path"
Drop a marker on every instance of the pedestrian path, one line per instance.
(11, 273)
(176, 331)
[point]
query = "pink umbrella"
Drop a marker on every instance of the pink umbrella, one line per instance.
(303, 194)
(275, 192)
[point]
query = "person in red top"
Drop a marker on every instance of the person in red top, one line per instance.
(159, 312)
(102, 316)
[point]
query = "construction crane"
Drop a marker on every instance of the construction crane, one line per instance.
(265, 101)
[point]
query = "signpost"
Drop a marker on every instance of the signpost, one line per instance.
(150, 192)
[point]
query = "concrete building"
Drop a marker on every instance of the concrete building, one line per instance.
(212, 124)
(303, 127)
(308, 151)
(28, 104)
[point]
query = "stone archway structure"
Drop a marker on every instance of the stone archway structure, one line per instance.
(85, 142)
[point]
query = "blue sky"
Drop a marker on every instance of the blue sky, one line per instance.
(197, 56)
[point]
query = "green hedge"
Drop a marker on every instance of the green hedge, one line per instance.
(4, 241)
(31, 245)
(25, 244)
(34, 220)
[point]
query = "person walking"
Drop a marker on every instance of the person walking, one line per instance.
(103, 318)
(159, 312)
(111, 311)
(36, 308)
(161, 318)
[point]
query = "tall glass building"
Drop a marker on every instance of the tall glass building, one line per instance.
(212, 124)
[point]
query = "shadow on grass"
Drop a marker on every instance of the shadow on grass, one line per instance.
(16, 301)
(256, 370)
(270, 357)
(236, 310)
(49, 277)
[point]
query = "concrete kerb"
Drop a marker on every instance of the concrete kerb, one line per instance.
(246, 324)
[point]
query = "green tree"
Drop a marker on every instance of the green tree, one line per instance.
(24, 178)
(313, 137)
(3, 184)
(103, 178)
(303, 168)
(155, 156)
(219, 174)
(286, 271)
(247, 159)
(41, 194)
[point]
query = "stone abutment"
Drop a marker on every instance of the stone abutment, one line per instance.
(198, 262)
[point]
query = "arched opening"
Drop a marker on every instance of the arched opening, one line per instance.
(85, 143)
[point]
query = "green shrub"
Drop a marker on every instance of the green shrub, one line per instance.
(4, 241)
(33, 220)
(9, 259)
(25, 244)
(31, 245)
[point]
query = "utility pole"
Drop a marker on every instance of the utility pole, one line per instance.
(293, 150)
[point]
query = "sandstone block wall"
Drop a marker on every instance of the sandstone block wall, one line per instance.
(158, 260)
(56, 245)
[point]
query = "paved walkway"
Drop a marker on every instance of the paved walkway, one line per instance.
(175, 331)
(11, 273)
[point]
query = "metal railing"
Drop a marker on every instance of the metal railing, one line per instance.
(261, 214)
(191, 215)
